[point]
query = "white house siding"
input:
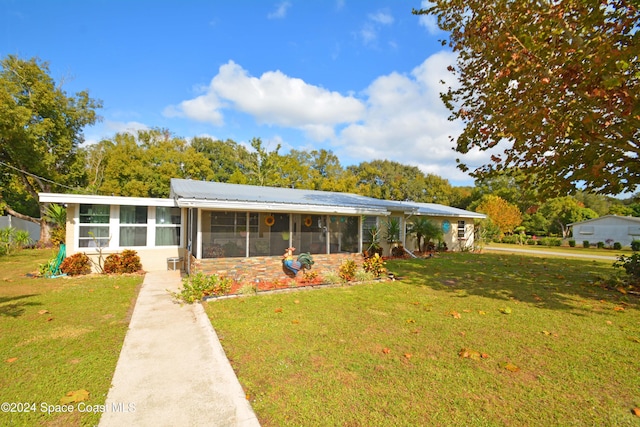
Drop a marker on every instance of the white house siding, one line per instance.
(153, 258)
(617, 228)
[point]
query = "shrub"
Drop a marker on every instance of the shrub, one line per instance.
(111, 264)
(586, 244)
(76, 264)
(364, 276)
(374, 265)
(130, 261)
(635, 245)
(531, 242)
(572, 243)
(551, 241)
(617, 246)
(510, 239)
(347, 271)
(600, 245)
(200, 285)
(332, 278)
(631, 265)
(127, 262)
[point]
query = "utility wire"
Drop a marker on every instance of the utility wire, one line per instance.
(39, 177)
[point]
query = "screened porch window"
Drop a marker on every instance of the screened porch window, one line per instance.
(343, 234)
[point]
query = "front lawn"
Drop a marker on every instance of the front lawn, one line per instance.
(58, 336)
(461, 339)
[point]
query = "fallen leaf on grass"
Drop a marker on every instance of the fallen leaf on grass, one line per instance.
(636, 412)
(609, 322)
(386, 350)
(43, 311)
(510, 367)
(634, 339)
(411, 321)
(75, 396)
(467, 353)
(506, 310)
(408, 355)
(618, 308)
(11, 360)
(454, 314)
(296, 302)
(278, 310)
(482, 312)
(295, 321)
(536, 297)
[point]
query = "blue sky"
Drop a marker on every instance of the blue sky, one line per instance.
(359, 78)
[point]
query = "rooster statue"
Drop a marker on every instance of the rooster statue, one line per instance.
(304, 261)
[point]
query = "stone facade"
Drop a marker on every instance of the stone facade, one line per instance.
(266, 268)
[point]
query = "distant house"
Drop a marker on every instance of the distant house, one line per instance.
(240, 229)
(615, 228)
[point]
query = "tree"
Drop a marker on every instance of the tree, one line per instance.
(385, 179)
(225, 156)
(506, 216)
(562, 211)
(556, 82)
(512, 186)
(425, 231)
(40, 134)
(261, 167)
(143, 164)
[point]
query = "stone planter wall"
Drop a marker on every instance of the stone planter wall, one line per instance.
(266, 268)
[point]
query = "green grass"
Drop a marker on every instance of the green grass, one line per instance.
(387, 353)
(58, 335)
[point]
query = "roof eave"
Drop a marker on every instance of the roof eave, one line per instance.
(277, 207)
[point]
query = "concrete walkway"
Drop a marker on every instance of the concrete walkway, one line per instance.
(172, 370)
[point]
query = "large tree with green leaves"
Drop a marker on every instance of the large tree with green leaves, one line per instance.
(143, 164)
(40, 134)
(556, 82)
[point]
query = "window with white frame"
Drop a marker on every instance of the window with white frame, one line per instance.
(94, 225)
(133, 225)
(168, 221)
(461, 230)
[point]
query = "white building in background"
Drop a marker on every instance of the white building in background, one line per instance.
(623, 229)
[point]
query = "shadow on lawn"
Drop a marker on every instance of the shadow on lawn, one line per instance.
(553, 283)
(15, 309)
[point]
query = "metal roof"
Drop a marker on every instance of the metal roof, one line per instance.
(189, 193)
(222, 195)
(434, 209)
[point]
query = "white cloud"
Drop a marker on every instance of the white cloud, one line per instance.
(428, 21)
(375, 21)
(272, 99)
(399, 117)
(204, 108)
(407, 122)
(130, 127)
(381, 17)
(281, 10)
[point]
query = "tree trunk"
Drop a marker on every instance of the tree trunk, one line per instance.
(45, 228)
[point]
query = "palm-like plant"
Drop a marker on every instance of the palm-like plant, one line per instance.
(425, 231)
(57, 215)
